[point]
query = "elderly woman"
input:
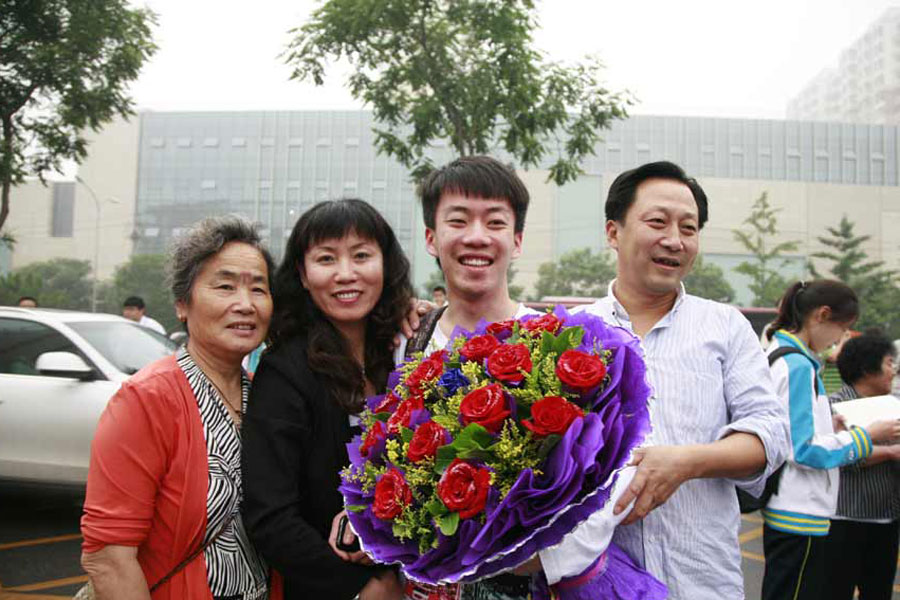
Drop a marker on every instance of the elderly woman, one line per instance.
(340, 296)
(162, 512)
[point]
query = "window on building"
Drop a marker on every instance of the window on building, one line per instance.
(63, 217)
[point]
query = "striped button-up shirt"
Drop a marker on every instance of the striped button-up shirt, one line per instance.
(867, 493)
(710, 379)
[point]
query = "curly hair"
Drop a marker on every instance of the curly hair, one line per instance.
(296, 314)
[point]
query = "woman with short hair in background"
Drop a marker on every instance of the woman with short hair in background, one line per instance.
(341, 294)
(162, 512)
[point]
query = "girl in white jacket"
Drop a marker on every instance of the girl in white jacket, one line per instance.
(812, 317)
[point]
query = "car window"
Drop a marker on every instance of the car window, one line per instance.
(128, 346)
(21, 342)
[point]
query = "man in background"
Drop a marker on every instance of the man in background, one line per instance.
(27, 302)
(439, 295)
(134, 309)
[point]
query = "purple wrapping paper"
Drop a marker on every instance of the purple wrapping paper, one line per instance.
(539, 510)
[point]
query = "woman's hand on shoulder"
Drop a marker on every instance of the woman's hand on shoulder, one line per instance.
(410, 324)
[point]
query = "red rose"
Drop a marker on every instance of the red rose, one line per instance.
(579, 370)
(464, 489)
(403, 413)
(479, 347)
(375, 434)
(486, 406)
(388, 404)
(507, 362)
(552, 414)
(547, 322)
(501, 329)
(428, 437)
(428, 370)
(391, 494)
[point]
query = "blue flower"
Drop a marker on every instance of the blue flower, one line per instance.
(452, 380)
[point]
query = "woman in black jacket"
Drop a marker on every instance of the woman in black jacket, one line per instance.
(340, 295)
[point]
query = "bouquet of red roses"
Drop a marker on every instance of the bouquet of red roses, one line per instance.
(484, 453)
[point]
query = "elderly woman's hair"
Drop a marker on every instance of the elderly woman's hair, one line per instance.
(189, 252)
(296, 314)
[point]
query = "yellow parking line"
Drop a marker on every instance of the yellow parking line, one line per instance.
(39, 541)
(750, 535)
(47, 585)
(752, 556)
(752, 518)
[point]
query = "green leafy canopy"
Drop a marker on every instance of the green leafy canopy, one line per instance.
(464, 71)
(65, 66)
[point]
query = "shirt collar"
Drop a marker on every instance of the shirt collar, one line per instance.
(620, 312)
(793, 340)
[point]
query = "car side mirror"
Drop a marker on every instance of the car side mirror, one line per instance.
(63, 364)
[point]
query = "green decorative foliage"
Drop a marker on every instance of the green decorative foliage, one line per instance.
(766, 283)
(875, 285)
(66, 66)
(57, 283)
(464, 71)
(577, 273)
(708, 281)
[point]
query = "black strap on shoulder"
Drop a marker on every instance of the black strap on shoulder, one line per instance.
(419, 341)
(782, 351)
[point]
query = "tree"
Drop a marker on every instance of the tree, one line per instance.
(577, 273)
(708, 281)
(464, 71)
(65, 66)
(143, 275)
(56, 283)
(766, 283)
(876, 286)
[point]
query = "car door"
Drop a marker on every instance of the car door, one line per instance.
(46, 423)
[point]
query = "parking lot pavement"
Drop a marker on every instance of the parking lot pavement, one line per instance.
(753, 561)
(40, 544)
(40, 547)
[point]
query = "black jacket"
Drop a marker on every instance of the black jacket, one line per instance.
(294, 440)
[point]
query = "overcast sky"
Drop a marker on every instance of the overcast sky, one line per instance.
(690, 57)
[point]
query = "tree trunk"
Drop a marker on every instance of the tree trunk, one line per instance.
(7, 171)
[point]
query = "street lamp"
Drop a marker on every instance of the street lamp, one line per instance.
(96, 237)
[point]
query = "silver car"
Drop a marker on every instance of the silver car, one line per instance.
(58, 369)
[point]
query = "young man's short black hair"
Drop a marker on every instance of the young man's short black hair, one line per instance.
(863, 355)
(474, 177)
(439, 288)
(27, 299)
(135, 301)
(623, 190)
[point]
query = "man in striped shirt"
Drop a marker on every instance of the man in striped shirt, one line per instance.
(869, 494)
(716, 420)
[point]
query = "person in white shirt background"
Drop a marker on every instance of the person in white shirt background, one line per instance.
(134, 309)
(716, 420)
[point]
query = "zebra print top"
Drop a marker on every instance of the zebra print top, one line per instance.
(233, 567)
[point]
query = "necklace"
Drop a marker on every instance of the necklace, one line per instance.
(235, 412)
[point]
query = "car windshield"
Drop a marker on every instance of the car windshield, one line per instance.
(128, 346)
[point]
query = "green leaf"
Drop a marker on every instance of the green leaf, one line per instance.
(445, 456)
(448, 523)
(548, 341)
(406, 434)
(436, 508)
(568, 339)
(382, 416)
(356, 507)
(547, 445)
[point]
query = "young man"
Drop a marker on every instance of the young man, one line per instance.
(474, 211)
(134, 309)
(439, 295)
(716, 420)
(868, 517)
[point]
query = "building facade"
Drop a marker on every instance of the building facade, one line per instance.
(864, 86)
(171, 169)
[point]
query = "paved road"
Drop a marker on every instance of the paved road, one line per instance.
(40, 546)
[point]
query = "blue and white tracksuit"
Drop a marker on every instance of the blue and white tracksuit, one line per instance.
(808, 491)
